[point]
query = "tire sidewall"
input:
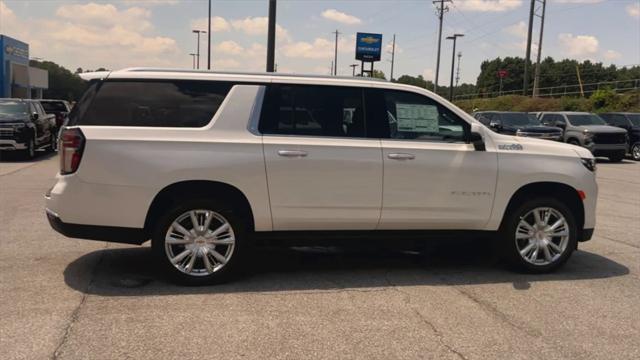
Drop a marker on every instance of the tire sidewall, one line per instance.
(636, 145)
(233, 266)
(510, 250)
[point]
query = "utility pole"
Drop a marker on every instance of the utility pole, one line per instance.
(458, 70)
(335, 56)
(198, 32)
(193, 57)
(353, 69)
(209, 39)
(271, 37)
(536, 76)
(393, 56)
(525, 85)
(441, 10)
(331, 70)
(453, 62)
(579, 80)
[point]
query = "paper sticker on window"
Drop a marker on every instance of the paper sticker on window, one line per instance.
(417, 118)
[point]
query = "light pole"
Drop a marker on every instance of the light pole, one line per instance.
(353, 69)
(193, 57)
(271, 37)
(198, 32)
(209, 39)
(453, 62)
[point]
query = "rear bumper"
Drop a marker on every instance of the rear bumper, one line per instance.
(100, 233)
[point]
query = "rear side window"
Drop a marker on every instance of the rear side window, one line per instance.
(53, 106)
(310, 110)
(167, 103)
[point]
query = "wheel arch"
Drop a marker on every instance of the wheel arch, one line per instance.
(204, 188)
(563, 192)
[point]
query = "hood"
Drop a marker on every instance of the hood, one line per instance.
(529, 145)
(601, 129)
(536, 129)
(13, 117)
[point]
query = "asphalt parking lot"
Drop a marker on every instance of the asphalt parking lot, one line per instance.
(73, 299)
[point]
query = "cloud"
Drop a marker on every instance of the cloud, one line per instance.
(428, 74)
(579, 45)
(389, 48)
(226, 64)
(611, 55)
(519, 29)
(258, 26)
(218, 24)
(579, 1)
(488, 5)
(149, 2)
(320, 48)
(229, 47)
(634, 10)
(105, 15)
(338, 16)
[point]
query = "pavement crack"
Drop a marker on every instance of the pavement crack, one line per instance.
(76, 312)
(439, 335)
(619, 241)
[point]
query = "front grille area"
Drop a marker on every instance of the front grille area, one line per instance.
(609, 138)
(6, 133)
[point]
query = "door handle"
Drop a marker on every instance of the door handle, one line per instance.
(401, 156)
(292, 153)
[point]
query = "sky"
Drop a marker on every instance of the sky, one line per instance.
(125, 33)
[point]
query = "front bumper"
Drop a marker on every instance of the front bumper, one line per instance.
(93, 232)
(12, 145)
(606, 148)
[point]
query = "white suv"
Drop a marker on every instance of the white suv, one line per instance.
(204, 164)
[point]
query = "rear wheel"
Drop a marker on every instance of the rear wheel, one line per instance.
(539, 236)
(199, 242)
(635, 151)
(574, 142)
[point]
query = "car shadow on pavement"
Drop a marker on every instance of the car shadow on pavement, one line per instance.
(626, 161)
(16, 157)
(130, 271)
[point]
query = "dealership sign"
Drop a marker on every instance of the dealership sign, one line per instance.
(368, 46)
(16, 51)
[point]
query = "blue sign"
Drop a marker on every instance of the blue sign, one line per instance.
(368, 46)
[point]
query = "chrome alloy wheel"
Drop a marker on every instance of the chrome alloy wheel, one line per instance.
(635, 152)
(542, 236)
(199, 242)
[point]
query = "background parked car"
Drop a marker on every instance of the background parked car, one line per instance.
(629, 122)
(59, 108)
(590, 131)
(24, 126)
(517, 123)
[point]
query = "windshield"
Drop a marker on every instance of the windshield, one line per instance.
(518, 119)
(635, 119)
(13, 108)
(585, 119)
(53, 106)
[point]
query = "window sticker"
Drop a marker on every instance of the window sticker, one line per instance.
(417, 118)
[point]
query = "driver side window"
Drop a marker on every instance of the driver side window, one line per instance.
(415, 117)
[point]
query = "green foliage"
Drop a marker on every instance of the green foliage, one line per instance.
(602, 99)
(63, 84)
(378, 74)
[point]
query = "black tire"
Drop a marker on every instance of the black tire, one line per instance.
(617, 157)
(574, 142)
(228, 271)
(30, 152)
(509, 246)
(53, 145)
(635, 151)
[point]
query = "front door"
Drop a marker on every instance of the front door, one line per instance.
(322, 171)
(433, 178)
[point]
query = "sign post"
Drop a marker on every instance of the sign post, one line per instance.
(502, 74)
(368, 49)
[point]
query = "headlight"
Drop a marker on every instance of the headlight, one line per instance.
(589, 163)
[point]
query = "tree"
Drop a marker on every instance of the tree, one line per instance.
(63, 84)
(378, 74)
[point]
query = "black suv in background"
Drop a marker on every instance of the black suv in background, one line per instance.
(25, 127)
(517, 123)
(629, 122)
(59, 108)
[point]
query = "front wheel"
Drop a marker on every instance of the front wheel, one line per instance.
(539, 236)
(199, 242)
(635, 151)
(30, 152)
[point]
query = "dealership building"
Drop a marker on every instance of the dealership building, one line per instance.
(17, 78)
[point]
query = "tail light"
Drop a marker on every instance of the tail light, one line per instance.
(71, 148)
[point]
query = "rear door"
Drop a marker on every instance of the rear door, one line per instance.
(433, 178)
(323, 172)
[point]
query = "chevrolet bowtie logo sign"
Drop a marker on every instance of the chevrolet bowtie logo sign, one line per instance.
(369, 40)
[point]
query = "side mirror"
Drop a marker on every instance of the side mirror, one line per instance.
(495, 125)
(35, 116)
(561, 124)
(476, 139)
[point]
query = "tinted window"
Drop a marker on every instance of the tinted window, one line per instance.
(517, 119)
(12, 107)
(173, 103)
(585, 119)
(53, 106)
(313, 111)
(634, 118)
(416, 117)
(550, 119)
(616, 119)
